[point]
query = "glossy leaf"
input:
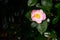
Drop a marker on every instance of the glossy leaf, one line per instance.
(46, 2)
(27, 15)
(32, 2)
(55, 20)
(58, 9)
(54, 38)
(57, 5)
(38, 5)
(33, 24)
(53, 35)
(42, 27)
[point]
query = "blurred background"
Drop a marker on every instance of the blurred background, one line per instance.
(15, 26)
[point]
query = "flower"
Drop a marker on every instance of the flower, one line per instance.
(38, 15)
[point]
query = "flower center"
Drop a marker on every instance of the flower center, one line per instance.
(37, 15)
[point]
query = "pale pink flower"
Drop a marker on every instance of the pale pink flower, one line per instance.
(38, 15)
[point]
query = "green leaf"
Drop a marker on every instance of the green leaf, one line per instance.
(57, 5)
(38, 5)
(46, 3)
(32, 2)
(53, 34)
(43, 2)
(55, 20)
(28, 15)
(58, 9)
(54, 38)
(42, 27)
(33, 24)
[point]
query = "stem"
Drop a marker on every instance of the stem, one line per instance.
(48, 38)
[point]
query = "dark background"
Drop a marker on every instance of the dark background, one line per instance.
(14, 25)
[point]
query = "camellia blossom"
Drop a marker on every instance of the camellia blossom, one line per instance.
(38, 15)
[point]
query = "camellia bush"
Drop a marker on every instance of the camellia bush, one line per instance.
(43, 15)
(30, 20)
